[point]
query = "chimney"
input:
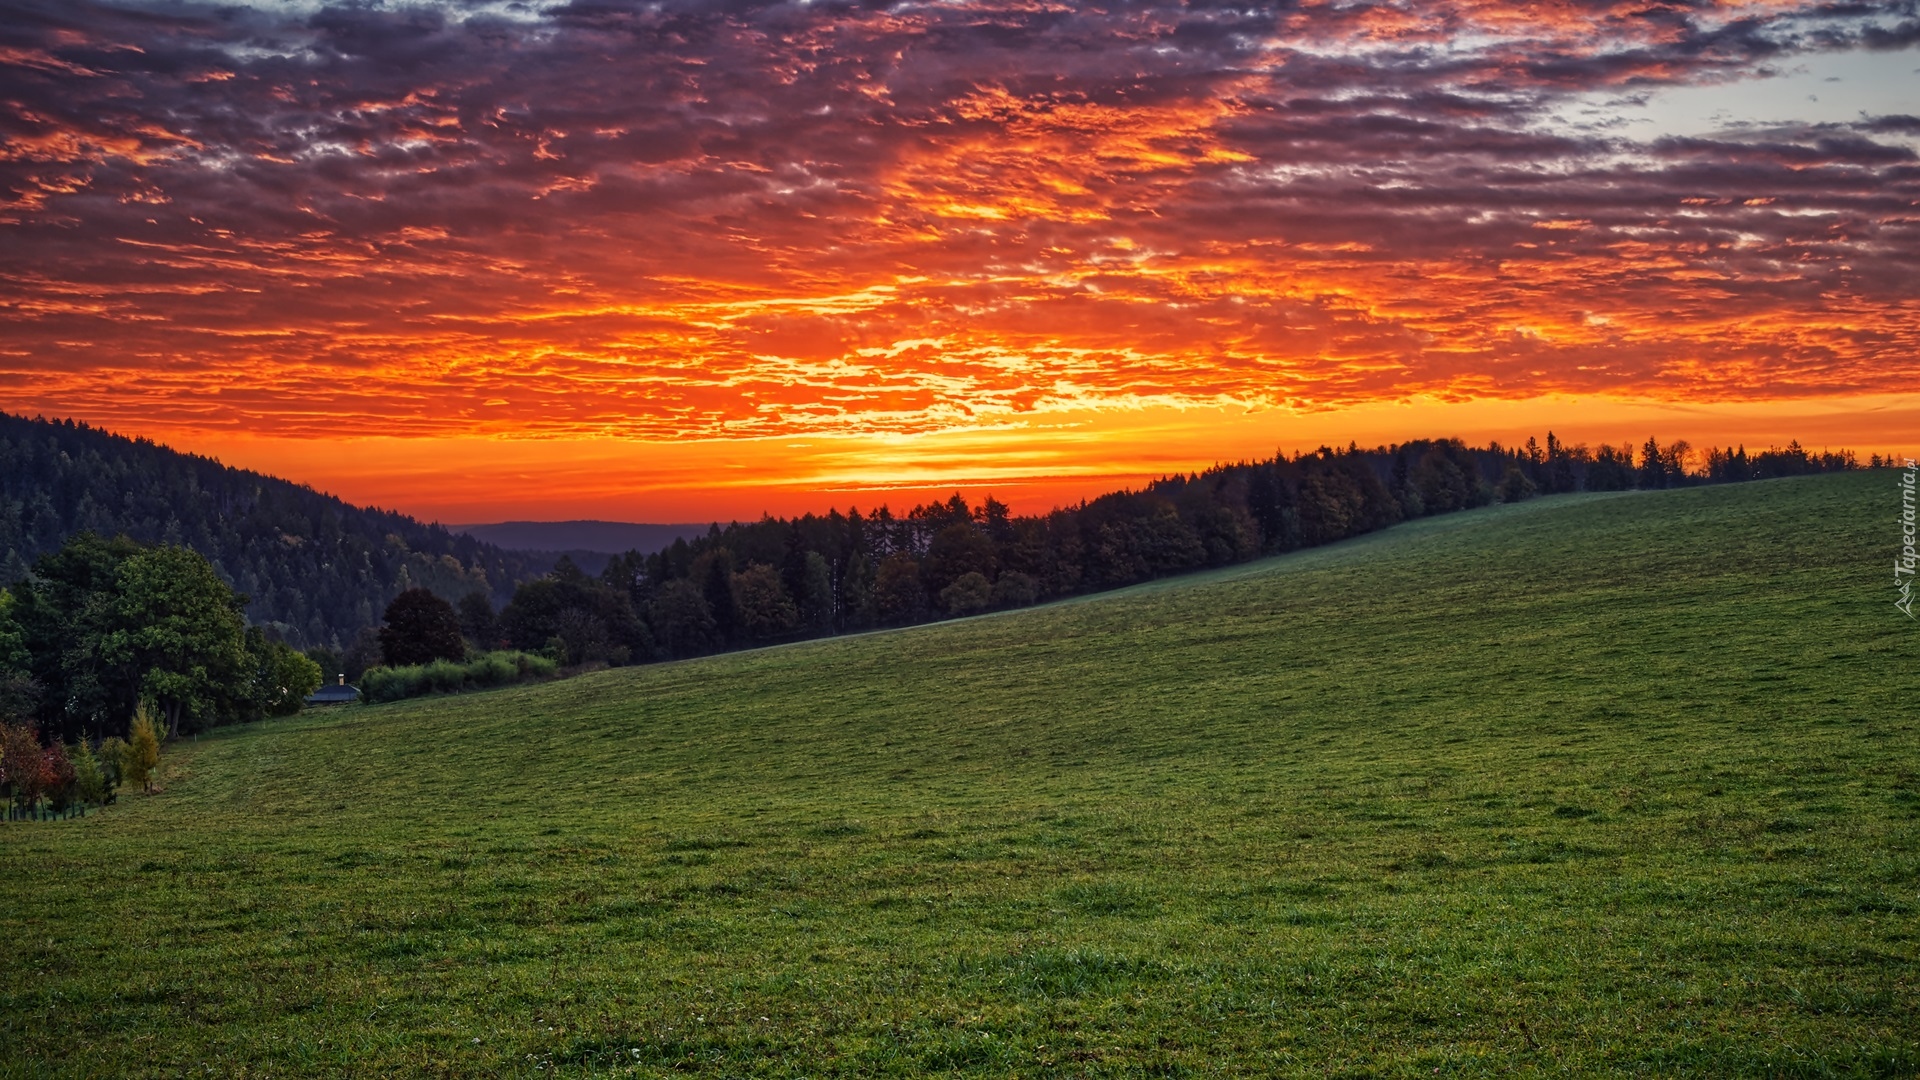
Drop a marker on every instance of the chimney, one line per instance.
(343, 678)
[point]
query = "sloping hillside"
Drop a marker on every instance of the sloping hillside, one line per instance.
(1592, 783)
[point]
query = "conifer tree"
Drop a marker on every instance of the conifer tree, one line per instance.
(142, 755)
(113, 763)
(89, 780)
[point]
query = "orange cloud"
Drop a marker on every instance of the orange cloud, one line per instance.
(1011, 229)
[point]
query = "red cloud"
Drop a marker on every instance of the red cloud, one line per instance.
(671, 221)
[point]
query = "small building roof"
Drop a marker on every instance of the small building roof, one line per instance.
(333, 695)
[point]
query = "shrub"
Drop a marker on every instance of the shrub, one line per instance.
(444, 676)
(390, 683)
(494, 669)
(535, 667)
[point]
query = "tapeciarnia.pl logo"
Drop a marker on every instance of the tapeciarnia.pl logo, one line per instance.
(1903, 563)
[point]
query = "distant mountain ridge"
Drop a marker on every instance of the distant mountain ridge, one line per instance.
(317, 569)
(598, 537)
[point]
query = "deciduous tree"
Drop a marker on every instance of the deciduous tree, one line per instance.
(20, 764)
(590, 619)
(681, 616)
(478, 621)
(957, 549)
(14, 657)
(897, 594)
(180, 627)
(282, 677)
(64, 612)
(419, 629)
(1014, 589)
(761, 599)
(1515, 486)
(967, 594)
(57, 776)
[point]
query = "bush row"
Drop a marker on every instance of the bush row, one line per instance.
(453, 676)
(56, 779)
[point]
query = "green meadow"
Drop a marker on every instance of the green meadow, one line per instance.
(1590, 784)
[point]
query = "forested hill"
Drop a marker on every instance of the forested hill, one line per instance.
(317, 569)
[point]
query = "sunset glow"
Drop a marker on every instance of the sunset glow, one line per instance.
(655, 261)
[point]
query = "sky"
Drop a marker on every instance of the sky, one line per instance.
(667, 261)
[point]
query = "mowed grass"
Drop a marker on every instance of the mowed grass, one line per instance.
(1591, 784)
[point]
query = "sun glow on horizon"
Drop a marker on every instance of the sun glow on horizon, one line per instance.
(471, 480)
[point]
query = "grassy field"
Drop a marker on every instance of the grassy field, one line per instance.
(1600, 784)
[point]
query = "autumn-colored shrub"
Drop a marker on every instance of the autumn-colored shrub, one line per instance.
(21, 764)
(57, 776)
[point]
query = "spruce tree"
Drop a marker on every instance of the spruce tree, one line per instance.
(89, 781)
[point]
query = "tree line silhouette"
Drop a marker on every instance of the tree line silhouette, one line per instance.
(317, 573)
(785, 579)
